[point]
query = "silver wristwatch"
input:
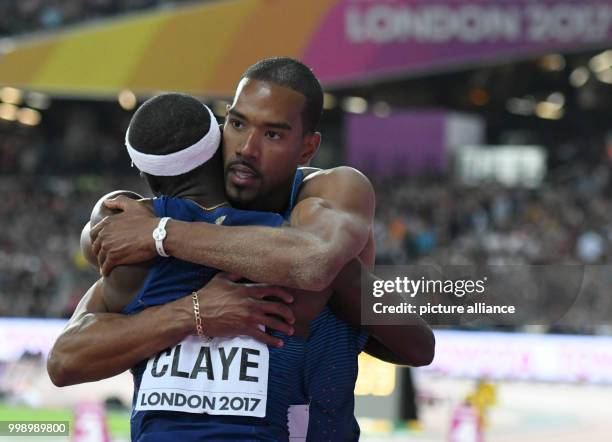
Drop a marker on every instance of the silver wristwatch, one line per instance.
(159, 234)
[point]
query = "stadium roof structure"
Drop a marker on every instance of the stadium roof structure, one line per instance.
(203, 48)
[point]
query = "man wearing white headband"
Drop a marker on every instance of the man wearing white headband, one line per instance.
(179, 131)
(270, 130)
(240, 384)
(182, 161)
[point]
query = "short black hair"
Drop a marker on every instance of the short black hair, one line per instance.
(295, 75)
(165, 124)
(168, 123)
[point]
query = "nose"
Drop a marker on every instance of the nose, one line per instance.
(251, 147)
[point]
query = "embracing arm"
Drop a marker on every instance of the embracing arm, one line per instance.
(97, 344)
(399, 344)
(329, 226)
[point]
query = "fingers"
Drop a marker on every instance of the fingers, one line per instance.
(101, 260)
(106, 266)
(96, 245)
(261, 291)
(278, 309)
(120, 202)
(105, 263)
(228, 276)
(265, 338)
(275, 324)
(94, 231)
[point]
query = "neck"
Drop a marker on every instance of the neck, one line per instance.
(278, 201)
(206, 187)
(203, 198)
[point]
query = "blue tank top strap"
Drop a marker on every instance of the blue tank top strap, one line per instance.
(295, 190)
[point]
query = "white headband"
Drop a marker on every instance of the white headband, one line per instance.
(183, 161)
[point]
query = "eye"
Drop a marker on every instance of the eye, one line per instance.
(273, 135)
(236, 124)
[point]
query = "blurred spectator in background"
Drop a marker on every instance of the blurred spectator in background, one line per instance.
(70, 163)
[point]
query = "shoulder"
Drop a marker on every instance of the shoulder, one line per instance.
(340, 174)
(100, 211)
(337, 179)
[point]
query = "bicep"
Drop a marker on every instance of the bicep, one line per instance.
(338, 232)
(337, 205)
(92, 302)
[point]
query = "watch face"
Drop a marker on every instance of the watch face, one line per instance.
(159, 235)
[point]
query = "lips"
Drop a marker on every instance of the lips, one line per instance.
(242, 175)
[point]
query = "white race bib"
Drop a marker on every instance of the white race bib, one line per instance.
(227, 376)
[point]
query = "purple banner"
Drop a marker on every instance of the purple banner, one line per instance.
(367, 38)
(402, 144)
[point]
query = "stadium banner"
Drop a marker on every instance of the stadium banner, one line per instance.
(202, 49)
(462, 354)
(516, 165)
(409, 143)
(522, 357)
(28, 336)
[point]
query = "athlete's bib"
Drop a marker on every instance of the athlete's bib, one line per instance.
(224, 377)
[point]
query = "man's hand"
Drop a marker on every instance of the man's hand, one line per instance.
(329, 226)
(98, 344)
(125, 238)
(231, 309)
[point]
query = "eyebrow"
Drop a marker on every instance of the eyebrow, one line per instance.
(285, 126)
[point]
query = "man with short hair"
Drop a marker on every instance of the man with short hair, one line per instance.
(270, 130)
(241, 384)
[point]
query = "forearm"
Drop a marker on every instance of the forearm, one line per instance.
(102, 345)
(286, 256)
(412, 344)
(329, 225)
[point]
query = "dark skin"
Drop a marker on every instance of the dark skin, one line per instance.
(123, 284)
(264, 138)
(331, 224)
(227, 309)
(264, 141)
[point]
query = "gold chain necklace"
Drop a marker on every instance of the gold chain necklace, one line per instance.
(212, 207)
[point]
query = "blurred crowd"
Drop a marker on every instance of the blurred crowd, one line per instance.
(20, 16)
(42, 272)
(72, 138)
(566, 225)
(52, 174)
(567, 221)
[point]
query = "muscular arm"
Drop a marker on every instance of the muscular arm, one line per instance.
(124, 282)
(329, 226)
(97, 344)
(399, 344)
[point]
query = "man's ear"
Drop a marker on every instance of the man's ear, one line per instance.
(310, 147)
